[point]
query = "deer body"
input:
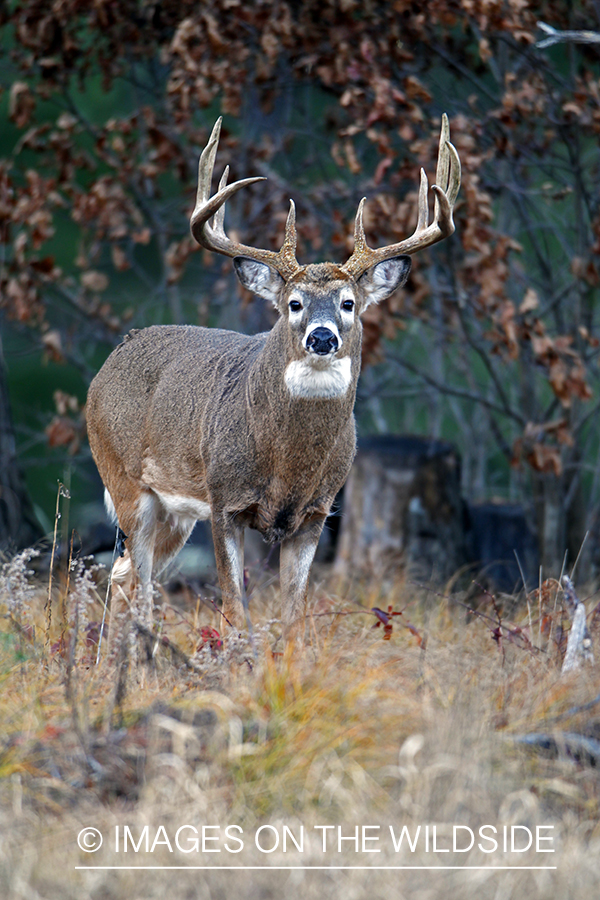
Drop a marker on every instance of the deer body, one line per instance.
(190, 423)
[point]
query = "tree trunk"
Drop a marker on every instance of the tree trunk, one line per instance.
(550, 522)
(18, 525)
(402, 509)
(561, 525)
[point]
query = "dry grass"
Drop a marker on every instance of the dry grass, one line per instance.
(417, 730)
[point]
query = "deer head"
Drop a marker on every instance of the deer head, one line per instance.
(322, 303)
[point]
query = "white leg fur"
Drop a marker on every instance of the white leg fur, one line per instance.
(142, 552)
(110, 507)
(121, 569)
(235, 554)
(297, 554)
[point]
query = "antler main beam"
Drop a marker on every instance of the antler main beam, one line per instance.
(446, 191)
(213, 236)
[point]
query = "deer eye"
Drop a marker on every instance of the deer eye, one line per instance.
(295, 306)
(348, 305)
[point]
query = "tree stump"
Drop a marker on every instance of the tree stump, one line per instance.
(501, 543)
(402, 509)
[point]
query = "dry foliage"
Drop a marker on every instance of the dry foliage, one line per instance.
(454, 715)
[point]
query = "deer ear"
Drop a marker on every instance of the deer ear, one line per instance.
(259, 278)
(383, 278)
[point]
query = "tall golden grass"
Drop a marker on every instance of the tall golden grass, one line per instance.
(417, 725)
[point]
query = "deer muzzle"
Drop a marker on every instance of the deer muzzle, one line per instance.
(322, 341)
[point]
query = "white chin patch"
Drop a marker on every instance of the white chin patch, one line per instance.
(304, 380)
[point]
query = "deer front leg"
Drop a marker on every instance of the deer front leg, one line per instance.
(296, 558)
(228, 540)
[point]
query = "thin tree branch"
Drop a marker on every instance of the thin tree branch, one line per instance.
(565, 37)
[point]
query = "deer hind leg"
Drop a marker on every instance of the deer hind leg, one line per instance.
(121, 585)
(131, 576)
(170, 538)
(141, 548)
(153, 542)
(228, 540)
(296, 558)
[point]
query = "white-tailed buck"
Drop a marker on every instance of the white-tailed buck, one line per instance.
(190, 423)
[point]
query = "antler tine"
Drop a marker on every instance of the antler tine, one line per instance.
(445, 198)
(213, 237)
(445, 192)
(206, 164)
(219, 219)
(447, 163)
(454, 175)
(290, 240)
(423, 214)
(443, 160)
(360, 240)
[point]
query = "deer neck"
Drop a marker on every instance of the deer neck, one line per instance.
(292, 378)
(300, 416)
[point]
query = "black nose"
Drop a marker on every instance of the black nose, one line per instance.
(322, 341)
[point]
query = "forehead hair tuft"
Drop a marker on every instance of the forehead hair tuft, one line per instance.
(319, 274)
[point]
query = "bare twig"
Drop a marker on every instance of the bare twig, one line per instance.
(61, 492)
(514, 634)
(565, 37)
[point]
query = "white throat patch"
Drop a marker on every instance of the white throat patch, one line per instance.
(304, 380)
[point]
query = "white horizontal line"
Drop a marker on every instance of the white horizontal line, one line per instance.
(249, 868)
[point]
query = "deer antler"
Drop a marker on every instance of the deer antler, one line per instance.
(446, 190)
(213, 237)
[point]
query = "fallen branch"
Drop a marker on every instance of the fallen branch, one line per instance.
(152, 642)
(566, 744)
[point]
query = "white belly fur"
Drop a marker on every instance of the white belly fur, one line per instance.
(182, 510)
